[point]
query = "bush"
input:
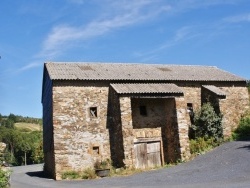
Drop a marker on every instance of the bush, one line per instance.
(4, 178)
(207, 124)
(243, 130)
(89, 174)
(200, 145)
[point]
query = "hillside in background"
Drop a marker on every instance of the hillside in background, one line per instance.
(28, 127)
(23, 137)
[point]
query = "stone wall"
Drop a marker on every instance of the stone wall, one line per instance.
(155, 109)
(127, 130)
(80, 137)
(233, 107)
(192, 95)
(91, 121)
(183, 124)
(115, 129)
(166, 121)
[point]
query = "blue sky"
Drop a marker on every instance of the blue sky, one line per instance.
(189, 32)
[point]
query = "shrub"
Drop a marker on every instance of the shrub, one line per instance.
(104, 164)
(207, 123)
(89, 174)
(242, 132)
(71, 175)
(4, 178)
(200, 145)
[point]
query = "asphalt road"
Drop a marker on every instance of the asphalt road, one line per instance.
(226, 166)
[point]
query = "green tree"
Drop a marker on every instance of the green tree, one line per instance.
(12, 117)
(8, 123)
(24, 146)
(10, 137)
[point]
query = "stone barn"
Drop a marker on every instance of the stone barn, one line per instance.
(137, 115)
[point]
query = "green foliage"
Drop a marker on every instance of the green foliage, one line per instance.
(104, 164)
(13, 118)
(89, 173)
(200, 145)
(71, 175)
(242, 132)
(16, 118)
(4, 178)
(8, 123)
(22, 146)
(207, 123)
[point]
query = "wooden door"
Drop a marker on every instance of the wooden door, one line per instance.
(140, 155)
(147, 154)
(153, 154)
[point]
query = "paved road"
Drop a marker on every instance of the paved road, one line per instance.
(226, 166)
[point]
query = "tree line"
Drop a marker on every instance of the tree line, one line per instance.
(10, 120)
(23, 147)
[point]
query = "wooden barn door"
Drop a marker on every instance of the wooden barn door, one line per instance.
(147, 154)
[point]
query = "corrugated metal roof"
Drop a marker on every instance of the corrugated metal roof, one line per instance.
(215, 90)
(147, 88)
(122, 71)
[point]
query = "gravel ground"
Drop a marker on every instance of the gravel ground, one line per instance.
(226, 166)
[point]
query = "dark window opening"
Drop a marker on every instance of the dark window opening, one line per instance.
(191, 112)
(96, 150)
(93, 111)
(143, 110)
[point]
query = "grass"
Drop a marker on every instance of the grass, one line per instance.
(28, 127)
(86, 174)
(90, 173)
(125, 171)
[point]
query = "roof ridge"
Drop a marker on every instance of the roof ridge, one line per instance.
(125, 63)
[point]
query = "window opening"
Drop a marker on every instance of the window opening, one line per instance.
(191, 112)
(96, 150)
(143, 110)
(93, 111)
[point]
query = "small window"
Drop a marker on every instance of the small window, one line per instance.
(93, 112)
(143, 110)
(191, 112)
(96, 150)
(190, 107)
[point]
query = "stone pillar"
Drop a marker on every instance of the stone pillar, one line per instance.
(182, 122)
(127, 130)
(2, 147)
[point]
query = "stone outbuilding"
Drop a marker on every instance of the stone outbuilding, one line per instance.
(137, 115)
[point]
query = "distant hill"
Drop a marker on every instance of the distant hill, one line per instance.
(28, 127)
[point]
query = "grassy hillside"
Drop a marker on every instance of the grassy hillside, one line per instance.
(28, 127)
